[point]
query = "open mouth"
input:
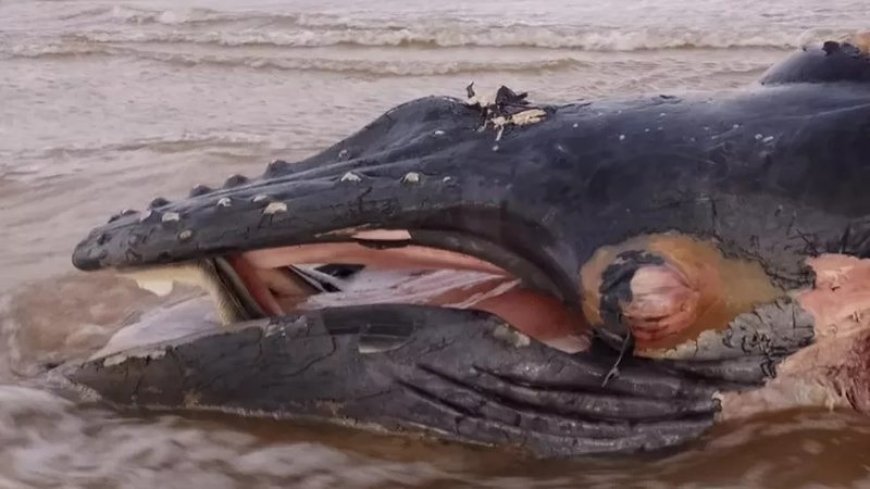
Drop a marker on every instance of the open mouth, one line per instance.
(368, 221)
(382, 266)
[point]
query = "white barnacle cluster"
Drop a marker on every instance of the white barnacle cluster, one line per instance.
(411, 178)
(272, 207)
(511, 336)
(350, 177)
(275, 208)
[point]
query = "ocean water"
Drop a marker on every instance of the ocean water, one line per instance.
(106, 105)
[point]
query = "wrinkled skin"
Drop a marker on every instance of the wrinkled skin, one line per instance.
(619, 210)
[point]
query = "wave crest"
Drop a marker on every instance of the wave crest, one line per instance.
(353, 66)
(461, 36)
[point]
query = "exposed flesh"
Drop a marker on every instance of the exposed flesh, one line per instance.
(834, 371)
(430, 276)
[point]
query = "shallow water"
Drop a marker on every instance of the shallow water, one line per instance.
(105, 105)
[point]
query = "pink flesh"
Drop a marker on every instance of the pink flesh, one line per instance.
(406, 257)
(482, 287)
(258, 285)
(662, 303)
(841, 293)
(833, 371)
(840, 303)
(538, 316)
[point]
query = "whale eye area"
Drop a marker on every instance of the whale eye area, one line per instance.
(667, 289)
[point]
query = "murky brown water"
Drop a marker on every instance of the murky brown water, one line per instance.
(105, 105)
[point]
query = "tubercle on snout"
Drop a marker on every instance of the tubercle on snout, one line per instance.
(134, 238)
(504, 109)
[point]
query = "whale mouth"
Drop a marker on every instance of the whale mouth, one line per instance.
(380, 200)
(377, 267)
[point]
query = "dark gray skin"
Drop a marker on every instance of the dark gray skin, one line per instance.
(774, 174)
(457, 374)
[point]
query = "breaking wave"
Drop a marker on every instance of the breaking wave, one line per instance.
(254, 28)
(314, 29)
(357, 66)
(366, 67)
(459, 35)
